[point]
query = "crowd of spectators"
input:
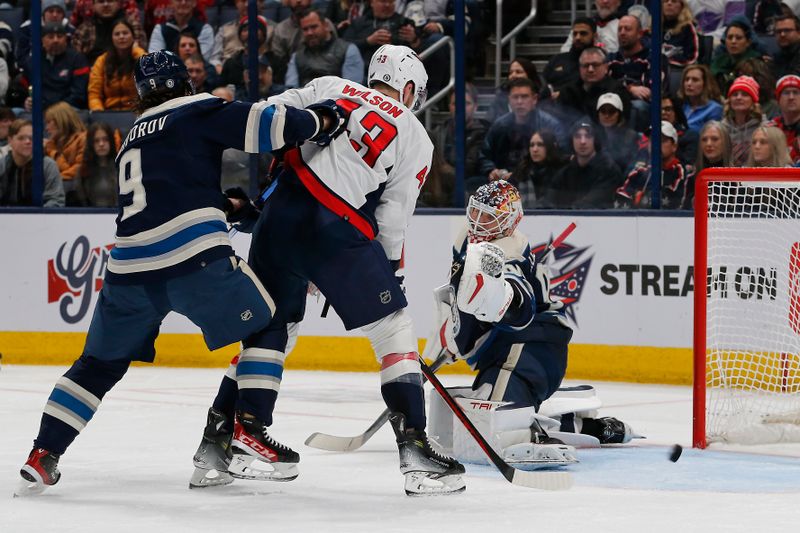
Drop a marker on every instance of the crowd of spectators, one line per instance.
(730, 97)
(573, 134)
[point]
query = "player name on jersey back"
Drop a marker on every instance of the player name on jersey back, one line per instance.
(374, 98)
(145, 127)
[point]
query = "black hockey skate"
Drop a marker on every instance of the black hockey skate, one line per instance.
(213, 456)
(427, 472)
(256, 455)
(39, 472)
(608, 430)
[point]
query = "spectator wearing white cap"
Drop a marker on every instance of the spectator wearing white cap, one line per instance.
(635, 191)
(621, 141)
(787, 92)
(741, 116)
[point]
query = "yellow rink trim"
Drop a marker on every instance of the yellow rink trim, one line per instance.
(353, 354)
(758, 371)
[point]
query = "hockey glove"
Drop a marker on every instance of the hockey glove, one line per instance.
(482, 291)
(338, 120)
(544, 281)
(244, 216)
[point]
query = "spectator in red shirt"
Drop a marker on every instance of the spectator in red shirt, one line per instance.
(788, 94)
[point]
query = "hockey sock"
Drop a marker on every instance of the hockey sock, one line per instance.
(75, 399)
(401, 387)
(225, 401)
(259, 372)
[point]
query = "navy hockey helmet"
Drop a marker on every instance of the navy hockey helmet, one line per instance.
(158, 71)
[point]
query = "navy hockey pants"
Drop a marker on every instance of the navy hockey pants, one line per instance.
(532, 371)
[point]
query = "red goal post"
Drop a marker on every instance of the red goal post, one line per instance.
(747, 306)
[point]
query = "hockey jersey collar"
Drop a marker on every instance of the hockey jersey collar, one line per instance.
(176, 103)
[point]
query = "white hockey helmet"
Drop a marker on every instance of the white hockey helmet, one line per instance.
(396, 66)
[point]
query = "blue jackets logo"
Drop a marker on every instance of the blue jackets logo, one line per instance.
(569, 267)
(74, 275)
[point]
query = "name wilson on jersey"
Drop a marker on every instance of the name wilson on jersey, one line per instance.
(378, 100)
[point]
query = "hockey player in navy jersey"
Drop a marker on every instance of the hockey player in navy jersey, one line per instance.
(172, 250)
(503, 323)
(337, 217)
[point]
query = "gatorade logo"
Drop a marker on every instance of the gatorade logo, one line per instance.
(794, 288)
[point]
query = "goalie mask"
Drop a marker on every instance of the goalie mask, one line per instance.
(494, 211)
(396, 66)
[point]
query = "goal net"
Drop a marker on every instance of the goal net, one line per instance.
(747, 321)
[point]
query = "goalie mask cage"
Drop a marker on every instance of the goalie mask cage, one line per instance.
(747, 321)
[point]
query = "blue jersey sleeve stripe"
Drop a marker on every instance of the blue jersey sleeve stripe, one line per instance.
(170, 243)
(249, 368)
(72, 404)
(271, 135)
(253, 127)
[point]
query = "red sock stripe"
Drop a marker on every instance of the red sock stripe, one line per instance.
(394, 358)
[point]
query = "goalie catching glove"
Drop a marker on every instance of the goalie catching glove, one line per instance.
(336, 116)
(482, 291)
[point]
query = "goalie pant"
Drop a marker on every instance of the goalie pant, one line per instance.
(523, 357)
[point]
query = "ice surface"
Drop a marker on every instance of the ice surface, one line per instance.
(129, 470)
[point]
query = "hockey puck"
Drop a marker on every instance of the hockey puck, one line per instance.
(675, 454)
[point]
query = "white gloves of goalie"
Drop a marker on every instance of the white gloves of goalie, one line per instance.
(482, 291)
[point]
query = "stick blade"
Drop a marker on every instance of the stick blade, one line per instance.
(542, 480)
(332, 443)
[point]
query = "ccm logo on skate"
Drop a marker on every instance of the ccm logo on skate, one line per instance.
(257, 446)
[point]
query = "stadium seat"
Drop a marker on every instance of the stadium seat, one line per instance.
(119, 120)
(212, 17)
(228, 14)
(14, 17)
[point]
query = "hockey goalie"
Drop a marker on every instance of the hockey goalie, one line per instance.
(497, 315)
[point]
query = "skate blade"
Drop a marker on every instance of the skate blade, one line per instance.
(27, 488)
(203, 478)
(540, 454)
(249, 467)
(427, 484)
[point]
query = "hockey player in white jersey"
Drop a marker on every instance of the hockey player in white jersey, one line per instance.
(337, 217)
(501, 320)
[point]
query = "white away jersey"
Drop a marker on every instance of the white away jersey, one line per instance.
(371, 174)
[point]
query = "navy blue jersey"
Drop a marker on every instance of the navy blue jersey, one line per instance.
(483, 343)
(170, 217)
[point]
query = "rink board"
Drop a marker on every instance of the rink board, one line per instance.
(628, 280)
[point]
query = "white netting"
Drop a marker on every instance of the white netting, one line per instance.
(753, 312)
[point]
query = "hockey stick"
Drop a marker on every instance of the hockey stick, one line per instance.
(558, 240)
(523, 478)
(332, 443)
(335, 443)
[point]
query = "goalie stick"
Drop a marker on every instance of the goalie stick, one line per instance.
(523, 478)
(333, 443)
